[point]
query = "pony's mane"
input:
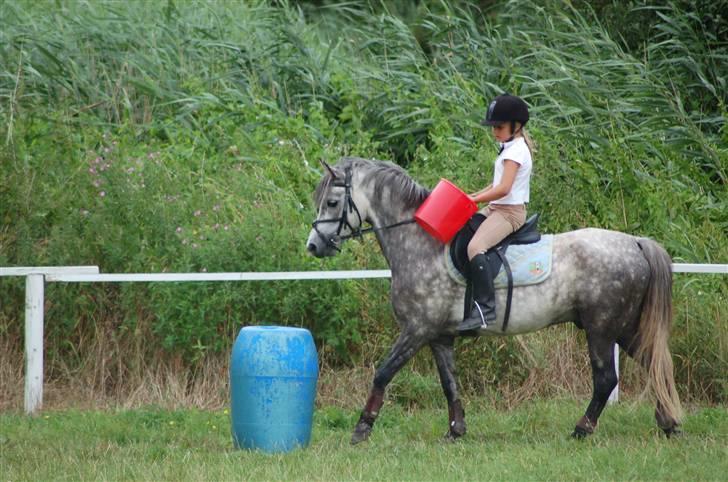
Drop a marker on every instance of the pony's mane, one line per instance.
(384, 174)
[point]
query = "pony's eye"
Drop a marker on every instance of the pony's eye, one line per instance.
(332, 203)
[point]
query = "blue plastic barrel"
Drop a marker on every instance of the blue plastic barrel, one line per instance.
(273, 375)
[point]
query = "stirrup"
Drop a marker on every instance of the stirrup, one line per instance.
(472, 323)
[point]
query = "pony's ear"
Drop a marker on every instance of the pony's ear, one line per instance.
(328, 168)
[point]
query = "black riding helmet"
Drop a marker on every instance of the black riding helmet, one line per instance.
(506, 108)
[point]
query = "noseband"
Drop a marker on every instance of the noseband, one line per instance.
(343, 220)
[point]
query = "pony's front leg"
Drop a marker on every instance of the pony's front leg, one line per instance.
(405, 348)
(442, 350)
(368, 415)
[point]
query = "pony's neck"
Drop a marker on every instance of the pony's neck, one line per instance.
(388, 206)
(393, 197)
(386, 210)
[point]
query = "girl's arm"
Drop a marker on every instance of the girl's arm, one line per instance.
(493, 193)
(472, 196)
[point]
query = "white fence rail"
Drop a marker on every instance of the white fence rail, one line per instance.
(37, 276)
(249, 276)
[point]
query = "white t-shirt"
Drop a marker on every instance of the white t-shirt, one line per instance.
(517, 151)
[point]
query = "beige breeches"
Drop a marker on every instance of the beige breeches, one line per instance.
(502, 220)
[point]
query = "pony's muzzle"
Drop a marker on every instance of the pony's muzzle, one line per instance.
(318, 245)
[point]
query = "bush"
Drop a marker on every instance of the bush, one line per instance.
(185, 137)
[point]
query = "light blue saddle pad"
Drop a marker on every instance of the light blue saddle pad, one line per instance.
(530, 263)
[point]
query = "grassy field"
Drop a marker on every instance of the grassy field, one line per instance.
(528, 443)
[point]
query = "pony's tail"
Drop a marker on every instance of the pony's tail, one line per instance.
(654, 331)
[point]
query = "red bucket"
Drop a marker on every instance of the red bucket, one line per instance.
(445, 211)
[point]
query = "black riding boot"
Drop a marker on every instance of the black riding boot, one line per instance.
(483, 309)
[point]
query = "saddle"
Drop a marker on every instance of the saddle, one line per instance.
(526, 234)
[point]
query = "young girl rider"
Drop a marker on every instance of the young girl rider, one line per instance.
(506, 198)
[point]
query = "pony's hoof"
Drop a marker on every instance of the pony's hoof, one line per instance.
(583, 428)
(673, 432)
(451, 436)
(361, 433)
(456, 431)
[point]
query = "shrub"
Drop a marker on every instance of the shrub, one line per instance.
(185, 137)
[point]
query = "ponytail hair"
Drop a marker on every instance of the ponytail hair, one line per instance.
(527, 138)
(529, 141)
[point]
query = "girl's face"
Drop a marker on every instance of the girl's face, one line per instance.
(502, 132)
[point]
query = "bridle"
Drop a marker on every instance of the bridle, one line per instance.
(343, 220)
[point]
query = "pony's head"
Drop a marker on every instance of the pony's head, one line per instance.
(341, 210)
(358, 190)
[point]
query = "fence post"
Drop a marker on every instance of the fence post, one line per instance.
(614, 396)
(34, 342)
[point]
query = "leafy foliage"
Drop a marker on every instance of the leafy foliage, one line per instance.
(183, 136)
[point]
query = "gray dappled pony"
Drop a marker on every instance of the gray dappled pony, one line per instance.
(616, 287)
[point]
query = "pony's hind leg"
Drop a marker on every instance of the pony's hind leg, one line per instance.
(604, 377)
(442, 351)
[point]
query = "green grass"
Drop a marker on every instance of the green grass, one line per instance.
(528, 443)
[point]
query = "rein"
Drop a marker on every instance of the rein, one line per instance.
(359, 232)
(343, 220)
